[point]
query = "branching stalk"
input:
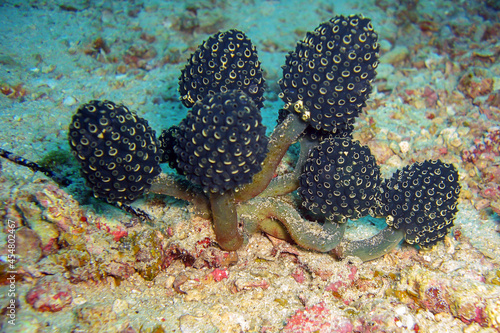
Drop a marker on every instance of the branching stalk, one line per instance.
(282, 137)
(225, 219)
(289, 182)
(261, 214)
(179, 188)
(371, 248)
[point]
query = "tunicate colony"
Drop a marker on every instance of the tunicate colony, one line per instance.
(220, 147)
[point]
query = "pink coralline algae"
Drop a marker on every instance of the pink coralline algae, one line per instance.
(485, 148)
(50, 293)
(341, 282)
(298, 275)
(117, 233)
(435, 299)
(219, 274)
(318, 318)
(470, 300)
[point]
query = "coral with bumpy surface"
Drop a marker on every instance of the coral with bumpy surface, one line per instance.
(116, 150)
(327, 79)
(226, 61)
(222, 142)
(422, 199)
(341, 180)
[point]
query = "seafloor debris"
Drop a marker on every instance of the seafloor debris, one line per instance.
(50, 293)
(97, 48)
(467, 299)
(482, 163)
(318, 318)
(13, 91)
(488, 147)
(473, 86)
(140, 56)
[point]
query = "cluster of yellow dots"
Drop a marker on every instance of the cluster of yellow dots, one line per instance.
(422, 200)
(327, 79)
(226, 61)
(341, 181)
(116, 150)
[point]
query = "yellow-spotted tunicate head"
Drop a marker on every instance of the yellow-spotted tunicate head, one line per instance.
(340, 181)
(226, 61)
(221, 143)
(327, 78)
(116, 149)
(421, 199)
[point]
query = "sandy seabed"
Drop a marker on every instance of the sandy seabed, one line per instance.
(83, 266)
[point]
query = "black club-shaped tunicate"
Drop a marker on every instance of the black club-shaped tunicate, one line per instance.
(422, 199)
(222, 142)
(116, 149)
(167, 141)
(226, 61)
(327, 79)
(340, 181)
